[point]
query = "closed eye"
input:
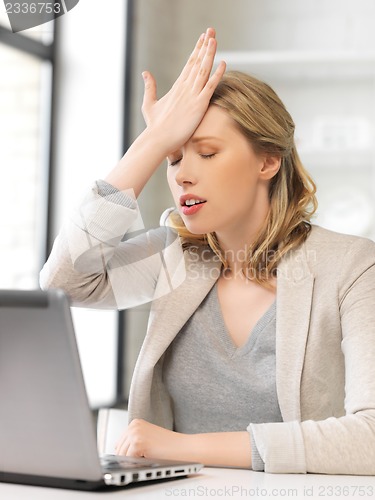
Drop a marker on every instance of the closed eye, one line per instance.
(174, 162)
(207, 157)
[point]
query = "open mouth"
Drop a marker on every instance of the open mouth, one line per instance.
(192, 202)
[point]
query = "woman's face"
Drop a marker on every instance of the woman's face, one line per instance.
(217, 181)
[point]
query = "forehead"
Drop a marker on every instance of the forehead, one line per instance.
(215, 123)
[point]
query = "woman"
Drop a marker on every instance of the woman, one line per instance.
(261, 340)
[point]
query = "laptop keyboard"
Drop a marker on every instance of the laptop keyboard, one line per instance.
(119, 462)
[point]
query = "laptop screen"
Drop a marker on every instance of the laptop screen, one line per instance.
(46, 426)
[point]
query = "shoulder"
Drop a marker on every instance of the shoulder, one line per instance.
(328, 252)
(332, 243)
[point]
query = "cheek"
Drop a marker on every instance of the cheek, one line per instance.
(240, 188)
(172, 184)
(238, 183)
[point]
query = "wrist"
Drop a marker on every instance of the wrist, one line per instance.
(227, 449)
(139, 163)
(155, 140)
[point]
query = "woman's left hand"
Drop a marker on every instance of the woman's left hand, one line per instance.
(142, 439)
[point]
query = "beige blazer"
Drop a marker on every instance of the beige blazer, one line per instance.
(325, 329)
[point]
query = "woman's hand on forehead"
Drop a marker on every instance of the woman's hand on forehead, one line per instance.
(175, 117)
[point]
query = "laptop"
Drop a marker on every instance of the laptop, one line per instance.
(47, 430)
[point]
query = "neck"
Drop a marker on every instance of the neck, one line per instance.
(236, 253)
(237, 243)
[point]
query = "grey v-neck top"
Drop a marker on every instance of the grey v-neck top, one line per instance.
(216, 386)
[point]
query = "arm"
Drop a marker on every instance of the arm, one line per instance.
(96, 268)
(89, 257)
(345, 444)
(228, 449)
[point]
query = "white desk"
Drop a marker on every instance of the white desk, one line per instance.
(212, 483)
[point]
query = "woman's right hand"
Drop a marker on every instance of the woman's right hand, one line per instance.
(174, 117)
(171, 120)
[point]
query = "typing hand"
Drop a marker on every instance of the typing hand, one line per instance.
(175, 116)
(142, 439)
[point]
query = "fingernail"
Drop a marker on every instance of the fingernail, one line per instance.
(144, 76)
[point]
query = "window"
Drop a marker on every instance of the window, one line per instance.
(25, 97)
(36, 194)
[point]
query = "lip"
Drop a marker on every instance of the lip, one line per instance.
(193, 209)
(189, 196)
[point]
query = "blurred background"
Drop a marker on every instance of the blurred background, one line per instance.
(70, 97)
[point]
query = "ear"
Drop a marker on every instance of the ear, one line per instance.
(270, 167)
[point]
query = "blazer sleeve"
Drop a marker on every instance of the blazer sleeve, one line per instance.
(98, 264)
(343, 445)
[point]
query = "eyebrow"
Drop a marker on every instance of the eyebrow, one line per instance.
(194, 140)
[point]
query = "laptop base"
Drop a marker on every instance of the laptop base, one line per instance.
(52, 482)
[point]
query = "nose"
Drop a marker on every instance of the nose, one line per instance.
(185, 174)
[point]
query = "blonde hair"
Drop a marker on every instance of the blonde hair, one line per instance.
(263, 119)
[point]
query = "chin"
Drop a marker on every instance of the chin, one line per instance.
(196, 228)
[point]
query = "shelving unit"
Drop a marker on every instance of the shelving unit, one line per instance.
(302, 64)
(331, 97)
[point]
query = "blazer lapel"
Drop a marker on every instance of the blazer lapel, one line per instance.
(167, 316)
(294, 296)
(170, 312)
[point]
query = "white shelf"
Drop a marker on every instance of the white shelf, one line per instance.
(302, 64)
(353, 159)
